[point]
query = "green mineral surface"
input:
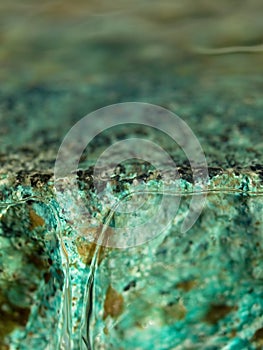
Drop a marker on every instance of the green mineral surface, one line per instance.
(200, 290)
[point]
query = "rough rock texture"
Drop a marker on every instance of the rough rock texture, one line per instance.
(200, 290)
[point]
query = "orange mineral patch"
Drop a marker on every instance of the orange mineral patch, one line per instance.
(96, 233)
(113, 304)
(216, 312)
(186, 286)
(87, 250)
(258, 337)
(35, 220)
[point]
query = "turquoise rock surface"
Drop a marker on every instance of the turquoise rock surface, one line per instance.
(198, 290)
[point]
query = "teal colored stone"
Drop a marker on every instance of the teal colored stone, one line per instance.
(198, 290)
